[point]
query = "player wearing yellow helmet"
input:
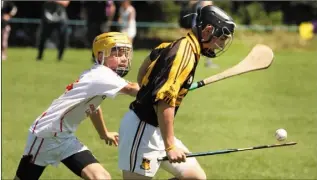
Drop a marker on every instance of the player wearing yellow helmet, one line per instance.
(113, 44)
(51, 138)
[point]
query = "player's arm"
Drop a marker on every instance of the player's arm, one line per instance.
(99, 124)
(110, 84)
(166, 96)
(131, 89)
(98, 121)
(142, 70)
(165, 115)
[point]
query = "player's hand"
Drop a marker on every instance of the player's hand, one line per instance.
(176, 155)
(135, 85)
(112, 138)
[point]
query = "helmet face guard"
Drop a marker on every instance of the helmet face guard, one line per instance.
(222, 44)
(122, 53)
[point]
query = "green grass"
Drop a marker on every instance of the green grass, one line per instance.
(239, 112)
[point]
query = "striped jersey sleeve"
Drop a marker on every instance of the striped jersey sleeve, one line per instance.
(176, 66)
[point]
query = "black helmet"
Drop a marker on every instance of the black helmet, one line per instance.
(222, 24)
(217, 18)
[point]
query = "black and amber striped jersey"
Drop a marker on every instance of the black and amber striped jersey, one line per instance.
(168, 77)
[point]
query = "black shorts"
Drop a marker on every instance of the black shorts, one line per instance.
(76, 163)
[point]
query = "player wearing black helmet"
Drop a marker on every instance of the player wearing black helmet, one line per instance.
(147, 129)
(218, 28)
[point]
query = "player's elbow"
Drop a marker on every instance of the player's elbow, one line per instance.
(165, 112)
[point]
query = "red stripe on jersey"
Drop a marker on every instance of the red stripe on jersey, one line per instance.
(38, 122)
(38, 150)
(71, 86)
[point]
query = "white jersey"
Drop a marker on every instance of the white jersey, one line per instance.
(80, 99)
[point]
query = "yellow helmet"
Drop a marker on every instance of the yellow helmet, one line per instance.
(105, 43)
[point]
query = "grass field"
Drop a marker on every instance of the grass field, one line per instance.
(238, 112)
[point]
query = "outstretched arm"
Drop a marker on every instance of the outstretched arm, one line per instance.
(99, 123)
(131, 89)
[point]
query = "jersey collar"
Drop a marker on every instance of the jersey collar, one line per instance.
(194, 43)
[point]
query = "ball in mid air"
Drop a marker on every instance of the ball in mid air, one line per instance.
(281, 134)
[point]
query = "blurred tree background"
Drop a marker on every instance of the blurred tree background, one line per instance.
(267, 13)
(244, 12)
